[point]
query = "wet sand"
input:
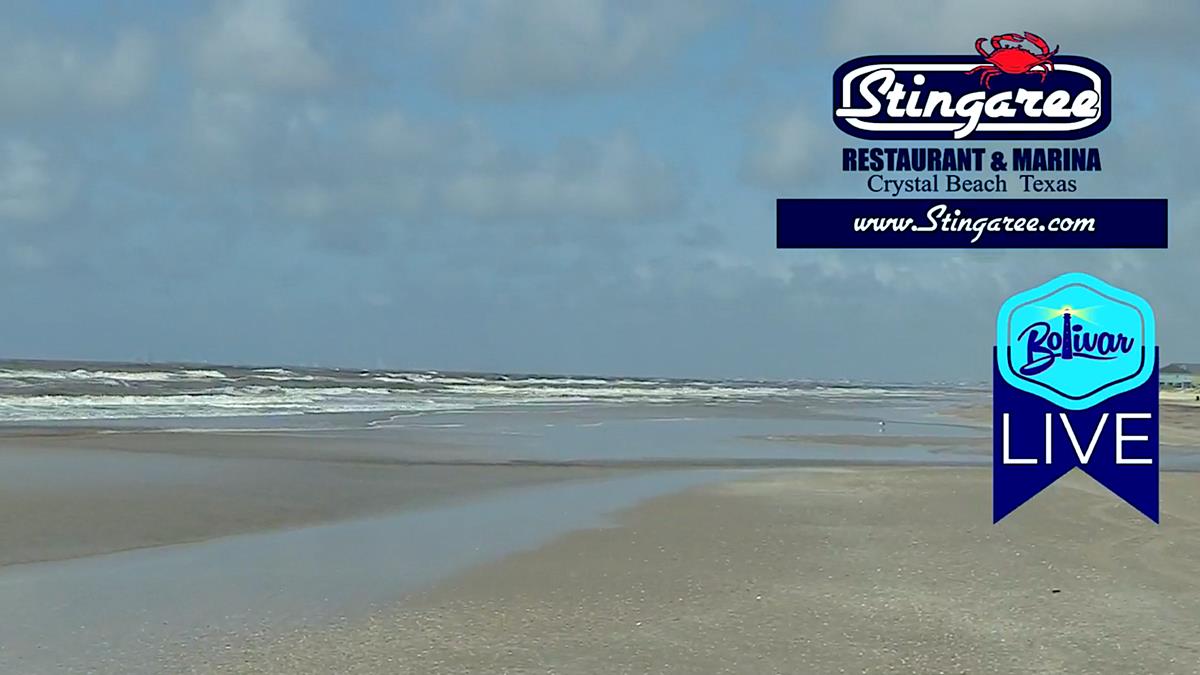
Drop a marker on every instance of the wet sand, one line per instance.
(75, 491)
(155, 610)
(70, 495)
(879, 570)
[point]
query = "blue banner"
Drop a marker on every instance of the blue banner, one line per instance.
(971, 223)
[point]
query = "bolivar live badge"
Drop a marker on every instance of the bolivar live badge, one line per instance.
(1075, 385)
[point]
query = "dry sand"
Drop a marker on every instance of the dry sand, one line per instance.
(870, 570)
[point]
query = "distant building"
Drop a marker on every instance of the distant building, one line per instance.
(1180, 376)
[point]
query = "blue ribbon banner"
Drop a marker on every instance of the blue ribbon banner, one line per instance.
(1036, 442)
(1075, 386)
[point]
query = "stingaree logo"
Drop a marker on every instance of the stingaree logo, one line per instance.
(1022, 89)
(1075, 385)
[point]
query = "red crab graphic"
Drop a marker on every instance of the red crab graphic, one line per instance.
(1013, 60)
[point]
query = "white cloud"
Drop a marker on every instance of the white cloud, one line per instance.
(499, 48)
(38, 73)
(610, 179)
(461, 172)
(361, 197)
(317, 165)
(784, 149)
(221, 122)
(31, 189)
(392, 136)
(259, 44)
(123, 74)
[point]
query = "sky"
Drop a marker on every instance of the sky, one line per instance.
(560, 186)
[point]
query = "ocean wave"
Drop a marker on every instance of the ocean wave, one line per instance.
(286, 402)
(37, 393)
(82, 374)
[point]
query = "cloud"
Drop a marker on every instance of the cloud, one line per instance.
(260, 45)
(459, 172)
(394, 135)
(498, 48)
(331, 166)
(38, 73)
(785, 149)
(361, 199)
(123, 74)
(609, 179)
(941, 25)
(220, 122)
(32, 189)
(26, 257)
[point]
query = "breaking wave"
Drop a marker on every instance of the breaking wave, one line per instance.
(41, 391)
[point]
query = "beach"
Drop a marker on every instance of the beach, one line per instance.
(637, 527)
(865, 570)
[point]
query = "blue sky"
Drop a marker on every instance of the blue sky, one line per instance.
(556, 186)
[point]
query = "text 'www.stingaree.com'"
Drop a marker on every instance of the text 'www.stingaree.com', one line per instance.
(941, 220)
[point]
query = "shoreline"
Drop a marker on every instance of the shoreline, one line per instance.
(69, 492)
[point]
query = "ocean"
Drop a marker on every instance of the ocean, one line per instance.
(48, 391)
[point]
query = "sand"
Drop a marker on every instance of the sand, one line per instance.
(84, 493)
(74, 492)
(783, 570)
(866, 570)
